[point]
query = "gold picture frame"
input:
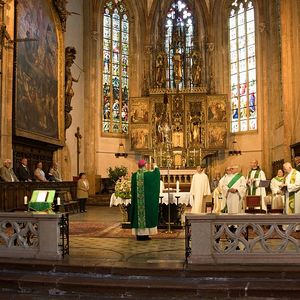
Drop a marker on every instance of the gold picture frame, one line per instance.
(216, 108)
(139, 111)
(39, 73)
(217, 135)
(140, 137)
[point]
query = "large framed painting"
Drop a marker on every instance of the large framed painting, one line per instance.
(140, 137)
(38, 65)
(216, 108)
(139, 109)
(217, 135)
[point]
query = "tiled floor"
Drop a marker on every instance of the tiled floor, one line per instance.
(128, 250)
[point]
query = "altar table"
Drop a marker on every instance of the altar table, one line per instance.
(184, 198)
(178, 203)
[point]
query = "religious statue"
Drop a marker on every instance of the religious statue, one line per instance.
(195, 137)
(166, 133)
(60, 6)
(196, 68)
(177, 61)
(70, 55)
(161, 64)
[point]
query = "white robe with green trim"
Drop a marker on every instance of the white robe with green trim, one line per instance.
(235, 200)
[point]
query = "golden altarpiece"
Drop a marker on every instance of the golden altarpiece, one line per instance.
(181, 121)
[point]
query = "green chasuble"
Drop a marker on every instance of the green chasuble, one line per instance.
(145, 198)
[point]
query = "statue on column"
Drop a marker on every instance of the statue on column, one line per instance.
(161, 66)
(196, 68)
(177, 61)
(60, 6)
(70, 55)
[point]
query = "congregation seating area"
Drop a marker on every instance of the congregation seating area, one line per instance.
(12, 194)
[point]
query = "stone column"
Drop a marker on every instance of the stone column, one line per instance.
(91, 95)
(290, 22)
(7, 85)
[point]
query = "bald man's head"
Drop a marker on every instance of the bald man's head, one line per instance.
(287, 167)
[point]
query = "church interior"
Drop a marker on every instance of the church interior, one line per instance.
(100, 84)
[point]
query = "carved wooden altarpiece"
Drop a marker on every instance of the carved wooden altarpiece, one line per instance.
(194, 124)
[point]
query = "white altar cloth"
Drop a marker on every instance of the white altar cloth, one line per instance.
(185, 198)
(115, 201)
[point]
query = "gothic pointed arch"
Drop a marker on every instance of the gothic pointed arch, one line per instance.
(178, 28)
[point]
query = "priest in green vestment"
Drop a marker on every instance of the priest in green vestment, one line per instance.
(144, 201)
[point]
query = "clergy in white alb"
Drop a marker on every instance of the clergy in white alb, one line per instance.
(292, 184)
(199, 188)
(235, 191)
(254, 177)
(218, 194)
(277, 192)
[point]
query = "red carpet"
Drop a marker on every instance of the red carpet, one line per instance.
(101, 230)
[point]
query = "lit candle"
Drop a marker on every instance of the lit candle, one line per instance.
(177, 186)
(150, 159)
(25, 200)
(194, 152)
(58, 200)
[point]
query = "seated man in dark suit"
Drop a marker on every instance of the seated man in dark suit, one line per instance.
(6, 172)
(23, 172)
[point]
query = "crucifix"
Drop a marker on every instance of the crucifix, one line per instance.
(78, 137)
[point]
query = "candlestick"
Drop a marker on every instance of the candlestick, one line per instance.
(25, 200)
(200, 155)
(58, 201)
(177, 186)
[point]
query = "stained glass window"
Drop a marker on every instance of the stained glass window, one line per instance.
(179, 32)
(242, 66)
(115, 88)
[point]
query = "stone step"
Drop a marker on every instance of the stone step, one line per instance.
(99, 200)
(136, 282)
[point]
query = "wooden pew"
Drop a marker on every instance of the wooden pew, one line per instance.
(12, 193)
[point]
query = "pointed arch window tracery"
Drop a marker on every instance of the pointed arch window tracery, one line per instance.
(179, 42)
(243, 83)
(115, 64)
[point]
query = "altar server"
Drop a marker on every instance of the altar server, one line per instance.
(277, 192)
(218, 194)
(199, 188)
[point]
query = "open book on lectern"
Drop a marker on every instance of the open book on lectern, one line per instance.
(264, 183)
(43, 196)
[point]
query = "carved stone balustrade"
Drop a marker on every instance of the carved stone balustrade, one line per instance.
(28, 235)
(242, 239)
